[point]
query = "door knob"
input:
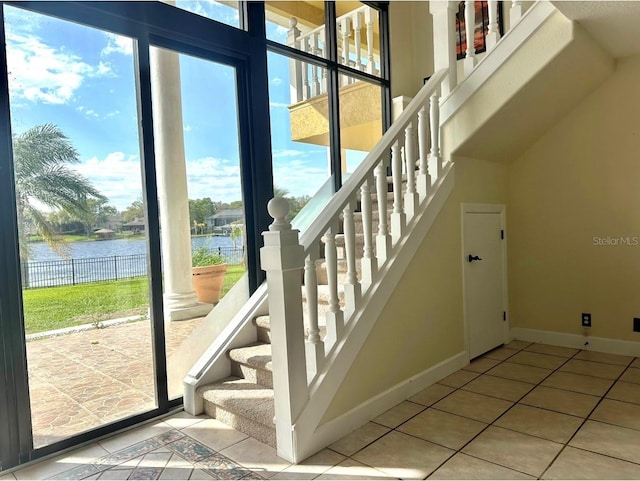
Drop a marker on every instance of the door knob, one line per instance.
(474, 258)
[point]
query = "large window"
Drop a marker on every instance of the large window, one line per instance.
(328, 81)
(126, 146)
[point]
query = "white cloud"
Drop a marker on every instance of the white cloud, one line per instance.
(218, 179)
(276, 80)
(287, 176)
(117, 44)
(41, 73)
(88, 112)
(187, 128)
(117, 176)
(288, 153)
(278, 105)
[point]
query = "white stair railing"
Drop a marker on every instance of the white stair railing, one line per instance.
(286, 258)
(308, 80)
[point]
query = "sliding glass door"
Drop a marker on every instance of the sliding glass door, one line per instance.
(126, 151)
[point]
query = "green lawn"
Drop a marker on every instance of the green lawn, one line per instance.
(51, 308)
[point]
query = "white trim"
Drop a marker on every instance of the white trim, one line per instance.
(336, 366)
(577, 341)
(515, 38)
(468, 208)
(361, 414)
(214, 364)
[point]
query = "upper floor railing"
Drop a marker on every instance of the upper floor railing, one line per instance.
(355, 49)
(445, 35)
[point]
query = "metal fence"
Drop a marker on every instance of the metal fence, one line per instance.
(69, 272)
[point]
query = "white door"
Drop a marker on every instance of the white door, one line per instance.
(483, 248)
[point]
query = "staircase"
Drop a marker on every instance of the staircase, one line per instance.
(245, 400)
(357, 250)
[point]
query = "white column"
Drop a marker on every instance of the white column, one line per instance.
(180, 301)
(470, 28)
(493, 32)
(444, 42)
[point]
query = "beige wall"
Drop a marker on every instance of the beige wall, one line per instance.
(422, 325)
(579, 181)
(411, 41)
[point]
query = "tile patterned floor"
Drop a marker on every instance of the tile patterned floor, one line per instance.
(519, 412)
(85, 379)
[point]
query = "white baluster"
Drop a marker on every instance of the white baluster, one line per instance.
(323, 81)
(383, 239)
(306, 87)
(515, 14)
(295, 66)
(435, 160)
(357, 39)
(346, 34)
(314, 346)
(334, 316)
(398, 217)
(424, 179)
(368, 264)
(369, 17)
(352, 289)
(444, 42)
(315, 49)
(470, 30)
(282, 258)
(493, 32)
(410, 196)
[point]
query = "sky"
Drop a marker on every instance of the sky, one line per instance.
(82, 79)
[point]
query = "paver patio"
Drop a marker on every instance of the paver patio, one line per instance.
(82, 380)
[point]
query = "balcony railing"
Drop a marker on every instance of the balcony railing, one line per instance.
(355, 37)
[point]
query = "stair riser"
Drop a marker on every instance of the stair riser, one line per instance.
(321, 271)
(252, 374)
(251, 428)
(264, 334)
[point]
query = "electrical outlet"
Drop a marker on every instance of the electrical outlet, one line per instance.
(636, 324)
(586, 319)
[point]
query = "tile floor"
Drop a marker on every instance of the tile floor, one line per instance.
(523, 411)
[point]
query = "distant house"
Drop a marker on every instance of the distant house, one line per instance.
(136, 226)
(112, 223)
(224, 218)
(104, 234)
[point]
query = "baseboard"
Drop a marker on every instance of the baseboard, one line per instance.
(601, 344)
(342, 425)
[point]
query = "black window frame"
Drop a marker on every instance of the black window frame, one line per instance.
(156, 23)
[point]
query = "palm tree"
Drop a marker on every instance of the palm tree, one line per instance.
(41, 157)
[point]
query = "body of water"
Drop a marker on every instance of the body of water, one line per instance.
(94, 261)
(40, 251)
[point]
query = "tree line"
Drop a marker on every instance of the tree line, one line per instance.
(42, 156)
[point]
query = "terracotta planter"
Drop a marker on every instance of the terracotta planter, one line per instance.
(208, 281)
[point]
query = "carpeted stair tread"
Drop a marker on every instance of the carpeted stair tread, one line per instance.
(262, 321)
(256, 355)
(242, 397)
(265, 324)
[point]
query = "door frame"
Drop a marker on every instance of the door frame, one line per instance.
(472, 208)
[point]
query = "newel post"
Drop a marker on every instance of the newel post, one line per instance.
(282, 258)
(444, 42)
